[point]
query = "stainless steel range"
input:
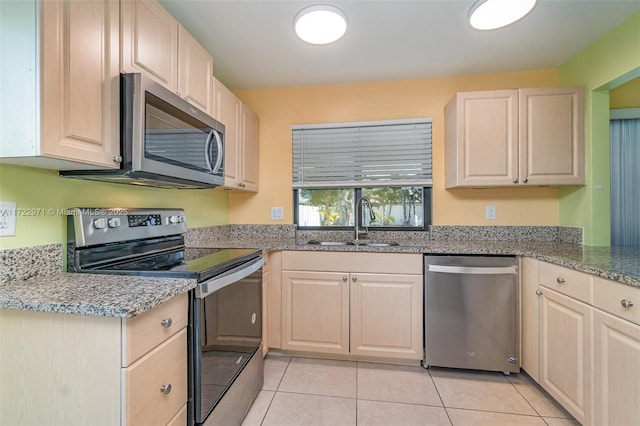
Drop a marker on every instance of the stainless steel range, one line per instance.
(225, 311)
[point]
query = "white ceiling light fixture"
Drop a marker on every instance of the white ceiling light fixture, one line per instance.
(493, 14)
(320, 24)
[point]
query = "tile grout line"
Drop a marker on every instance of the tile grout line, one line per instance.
(275, 392)
(439, 396)
(525, 398)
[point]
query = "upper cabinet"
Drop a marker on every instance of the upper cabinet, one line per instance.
(241, 139)
(154, 43)
(515, 137)
(60, 100)
(195, 72)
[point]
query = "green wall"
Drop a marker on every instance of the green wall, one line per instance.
(42, 189)
(610, 61)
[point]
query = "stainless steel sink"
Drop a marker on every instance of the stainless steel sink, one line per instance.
(389, 244)
(329, 243)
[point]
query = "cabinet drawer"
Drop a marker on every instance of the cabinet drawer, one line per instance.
(145, 402)
(146, 331)
(374, 263)
(180, 419)
(610, 296)
(566, 281)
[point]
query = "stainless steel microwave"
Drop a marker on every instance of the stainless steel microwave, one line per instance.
(164, 140)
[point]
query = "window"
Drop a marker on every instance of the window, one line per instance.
(388, 162)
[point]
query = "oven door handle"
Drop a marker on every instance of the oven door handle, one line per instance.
(214, 284)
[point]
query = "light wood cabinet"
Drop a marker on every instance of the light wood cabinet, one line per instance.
(565, 352)
(195, 72)
(530, 343)
(61, 104)
(386, 315)
(154, 43)
(617, 371)
(241, 139)
(515, 137)
(79, 370)
(568, 318)
(352, 303)
(315, 313)
(149, 42)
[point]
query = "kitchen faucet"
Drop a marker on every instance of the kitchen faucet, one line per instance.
(360, 203)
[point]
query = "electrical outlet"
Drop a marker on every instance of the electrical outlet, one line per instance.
(7, 219)
(491, 212)
(277, 213)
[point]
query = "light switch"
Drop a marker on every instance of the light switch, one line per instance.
(277, 213)
(491, 212)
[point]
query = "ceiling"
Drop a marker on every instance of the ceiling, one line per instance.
(253, 44)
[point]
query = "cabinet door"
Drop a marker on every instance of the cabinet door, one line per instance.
(565, 352)
(552, 136)
(529, 358)
(386, 315)
(249, 150)
(149, 42)
(80, 81)
(481, 145)
(315, 311)
(227, 111)
(617, 371)
(195, 72)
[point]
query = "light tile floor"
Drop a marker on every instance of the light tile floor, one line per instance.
(307, 392)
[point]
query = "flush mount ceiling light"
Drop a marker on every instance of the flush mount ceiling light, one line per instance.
(320, 24)
(492, 14)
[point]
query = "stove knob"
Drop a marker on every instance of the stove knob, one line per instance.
(176, 219)
(114, 222)
(100, 223)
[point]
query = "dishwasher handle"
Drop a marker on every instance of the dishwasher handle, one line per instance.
(473, 270)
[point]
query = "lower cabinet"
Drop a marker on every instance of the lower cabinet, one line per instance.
(581, 342)
(565, 352)
(365, 306)
(86, 370)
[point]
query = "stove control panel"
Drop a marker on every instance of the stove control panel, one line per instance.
(92, 226)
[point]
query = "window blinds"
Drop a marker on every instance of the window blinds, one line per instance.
(388, 153)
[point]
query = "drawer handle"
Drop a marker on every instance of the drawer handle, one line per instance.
(539, 292)
(626, 303)
(166, 323)
(165, 389)
(560, 280)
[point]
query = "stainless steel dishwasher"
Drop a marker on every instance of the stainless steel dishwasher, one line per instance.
(471, 313)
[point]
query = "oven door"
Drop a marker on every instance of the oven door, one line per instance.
(227, 333)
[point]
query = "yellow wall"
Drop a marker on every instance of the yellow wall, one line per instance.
(278, 109)
(38, 190)
(626, 96)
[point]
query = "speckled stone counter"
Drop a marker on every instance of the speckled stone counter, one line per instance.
(556, 245)
(91, 294)
(31, 278)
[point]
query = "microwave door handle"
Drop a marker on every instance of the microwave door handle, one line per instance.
(207, 145)
(220, 152)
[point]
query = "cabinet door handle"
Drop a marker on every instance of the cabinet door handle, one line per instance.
(166, 323)
(515, 181)
(525, 180)
(117, 159)
(345, 278)
(354, 278)
(165, 389)
(626, 303)
(560, 280)
(539, 292)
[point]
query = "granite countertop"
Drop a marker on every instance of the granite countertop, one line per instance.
(123, 296)
(620, 264)
(29, 279)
